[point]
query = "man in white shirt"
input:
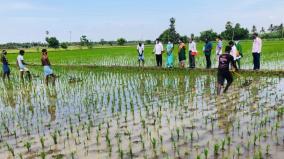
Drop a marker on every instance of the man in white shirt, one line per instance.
(158, 51)
(192, 53)
(256, 51)
(140, 50)
(219, 47)
(21, 64)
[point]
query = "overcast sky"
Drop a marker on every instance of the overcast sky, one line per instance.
(27, 20)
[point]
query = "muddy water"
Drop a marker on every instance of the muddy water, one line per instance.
(98, 114)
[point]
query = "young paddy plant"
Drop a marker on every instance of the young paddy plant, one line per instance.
(28, 146)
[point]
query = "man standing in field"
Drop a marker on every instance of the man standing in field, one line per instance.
(219, 47)
(223, 70)
(48, 72)
(140, 50)
(256, 51)
(158, 51)
(22, 65)
(207, 52)
(240, 52)
(6, 69)
(192, 53)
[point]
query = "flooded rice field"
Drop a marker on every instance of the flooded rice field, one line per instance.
(120, 114)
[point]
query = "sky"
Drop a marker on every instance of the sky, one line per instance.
(28, 20)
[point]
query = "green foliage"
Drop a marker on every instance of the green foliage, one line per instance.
(208, 34)
(170, 34)
(64, 45)
(121, 41)
(52, 42)
(237, 32)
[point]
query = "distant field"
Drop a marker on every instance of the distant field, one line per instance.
(272, 56)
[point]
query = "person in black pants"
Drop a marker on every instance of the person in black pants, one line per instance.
(207, 52)
(256, 51)
(158, 51)
(223, 70)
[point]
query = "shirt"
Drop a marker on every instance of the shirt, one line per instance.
(158, 49)
(192, 47)
(170, 48)
(224, 62)
(4, 60)
(219, 47)
(20, 58)
(257, 45)
(208, 48)
(234, 52)
(140, 49)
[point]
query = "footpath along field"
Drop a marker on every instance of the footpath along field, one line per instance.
(272, 56)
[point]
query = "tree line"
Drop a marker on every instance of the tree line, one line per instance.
(231, 32)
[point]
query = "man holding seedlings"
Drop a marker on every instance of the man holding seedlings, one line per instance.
(6, 69)
(207, 52)
(158, 51)
(256, 50)
(223, 70)
(140, 50)
(240, 51)
(22, 65)
(47, 67)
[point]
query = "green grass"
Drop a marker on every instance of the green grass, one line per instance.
(272, 55)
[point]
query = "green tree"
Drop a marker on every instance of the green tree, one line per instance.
(52, 42)
(170, 33)
(102, 42)
(229, 32)
(148, 42)
(254, 29)
(240, 33)
(84, 40)
(64, 45)
(121, 41)
(208, 34)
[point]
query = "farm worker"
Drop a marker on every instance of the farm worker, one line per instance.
(234, 51)
(140, 50)
(48, 72)
(240, 52)
(181, 54)
(207, 52)
(6, 69)
(223, 70)
(22, 65)
(219, 47)
(256, 51)
(158, 51)
(170, 56)
(192, 53)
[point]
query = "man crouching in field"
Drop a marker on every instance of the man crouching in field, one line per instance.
(223, 70)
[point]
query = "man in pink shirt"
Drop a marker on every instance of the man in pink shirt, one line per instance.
(256, 50)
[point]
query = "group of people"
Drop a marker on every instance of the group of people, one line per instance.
(22, 66)
(236, 52)
(231, 57)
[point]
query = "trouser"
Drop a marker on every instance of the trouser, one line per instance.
(256, 61)
(159, 60)
(208, 61)
(191, 60)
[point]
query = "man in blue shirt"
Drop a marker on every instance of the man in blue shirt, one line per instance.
(6, 69)
(207, 52)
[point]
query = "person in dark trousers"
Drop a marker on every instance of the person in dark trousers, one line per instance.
(6, 69)
(158, 51)
(223, 70)
(207, 52)
(256, 51)
(192, 53)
